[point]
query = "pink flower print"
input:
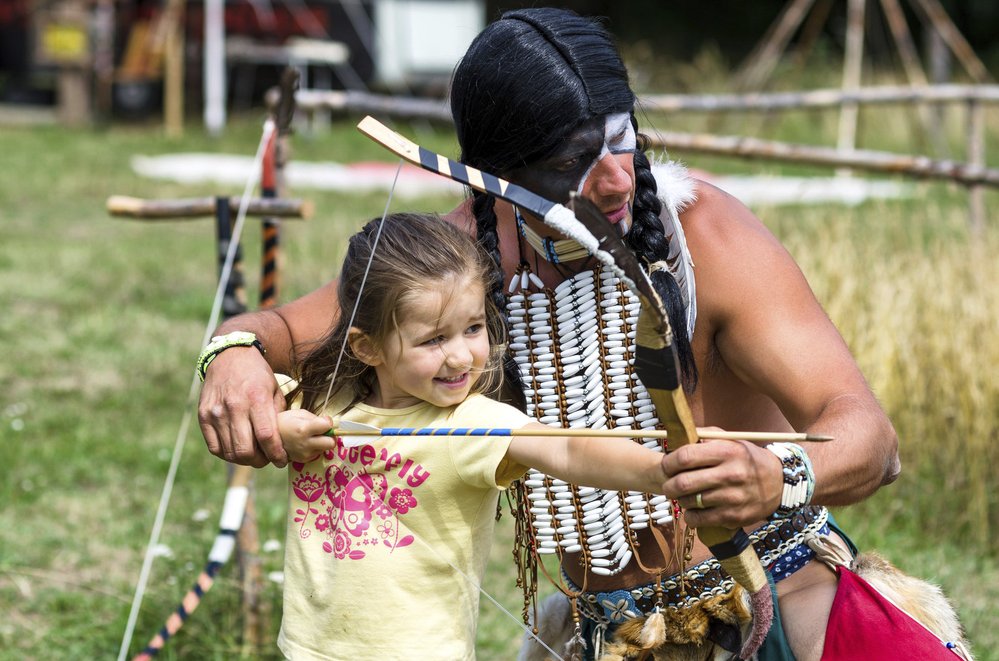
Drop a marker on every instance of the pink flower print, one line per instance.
(341, 544)
(337, 479)
(375, 487)
(386, 530)
(384, 511)
(322, 522)
(401, 500)
(308, 487)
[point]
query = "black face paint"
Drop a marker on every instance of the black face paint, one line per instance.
(567, 168)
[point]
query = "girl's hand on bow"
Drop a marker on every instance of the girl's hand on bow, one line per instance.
(304, 434)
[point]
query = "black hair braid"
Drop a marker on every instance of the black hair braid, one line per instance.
(484, 209)
(649, 242)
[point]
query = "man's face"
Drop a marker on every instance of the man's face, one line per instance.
(596, 161)
(571, 166)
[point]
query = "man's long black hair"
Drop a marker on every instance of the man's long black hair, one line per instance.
(526, 82)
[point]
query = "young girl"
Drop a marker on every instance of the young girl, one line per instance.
(388, 541)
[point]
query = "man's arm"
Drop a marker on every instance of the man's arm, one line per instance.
(240, 397)
(770, 358)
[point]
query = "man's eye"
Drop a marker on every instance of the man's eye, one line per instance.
(568, 164)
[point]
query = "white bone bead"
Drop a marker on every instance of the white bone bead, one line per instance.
(615, 526)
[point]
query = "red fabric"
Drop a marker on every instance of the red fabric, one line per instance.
(863, 625)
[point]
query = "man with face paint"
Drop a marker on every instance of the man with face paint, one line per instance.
(542, 98)
(570, 166)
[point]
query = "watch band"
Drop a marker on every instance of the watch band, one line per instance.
(220, 343)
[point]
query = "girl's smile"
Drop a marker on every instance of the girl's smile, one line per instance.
(440, 348)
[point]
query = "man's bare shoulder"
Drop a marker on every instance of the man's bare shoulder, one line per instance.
(719, 225)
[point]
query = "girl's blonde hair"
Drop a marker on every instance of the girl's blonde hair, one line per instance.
(415, 253)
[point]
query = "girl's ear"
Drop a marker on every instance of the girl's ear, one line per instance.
(362, 347)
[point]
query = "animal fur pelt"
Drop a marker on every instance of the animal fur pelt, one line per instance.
(921, 600)
(691, 635)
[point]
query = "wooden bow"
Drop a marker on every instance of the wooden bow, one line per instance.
(656, 361)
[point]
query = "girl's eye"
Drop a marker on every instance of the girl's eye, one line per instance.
(474, 329)
(434, 341)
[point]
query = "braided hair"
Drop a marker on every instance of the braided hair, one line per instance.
(526, 82)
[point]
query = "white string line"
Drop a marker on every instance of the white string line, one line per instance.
(364, 280)
(185, 423)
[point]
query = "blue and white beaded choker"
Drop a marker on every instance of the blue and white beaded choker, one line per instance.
(555, 251)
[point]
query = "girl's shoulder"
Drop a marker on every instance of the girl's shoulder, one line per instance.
(482, 411)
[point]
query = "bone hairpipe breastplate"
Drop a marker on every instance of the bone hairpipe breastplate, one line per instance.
(574, 346)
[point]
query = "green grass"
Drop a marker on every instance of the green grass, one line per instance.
(103, 317)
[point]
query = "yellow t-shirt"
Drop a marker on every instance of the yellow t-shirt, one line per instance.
(372, 530)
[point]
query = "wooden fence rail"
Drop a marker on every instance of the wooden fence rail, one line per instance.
(972, 174)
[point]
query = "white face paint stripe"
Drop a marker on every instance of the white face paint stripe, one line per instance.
(617, 128)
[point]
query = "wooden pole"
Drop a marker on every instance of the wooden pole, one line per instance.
(813, 99)
(760, 64)
(872, 161)
(104, 20)
(938, 18)
(976, 158)
(852, 66)
(913, 71)
(173, 71)
(134, 207)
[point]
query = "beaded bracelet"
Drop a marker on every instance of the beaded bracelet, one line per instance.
(220, 343)
(799, 478)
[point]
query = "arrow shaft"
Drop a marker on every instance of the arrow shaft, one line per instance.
(768, 437)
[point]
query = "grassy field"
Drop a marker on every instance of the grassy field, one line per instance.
(102, 320)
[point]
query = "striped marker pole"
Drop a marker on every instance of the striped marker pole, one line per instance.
(225, 541)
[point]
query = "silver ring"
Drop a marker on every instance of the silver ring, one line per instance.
(698, 503)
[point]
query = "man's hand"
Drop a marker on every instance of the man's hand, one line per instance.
(739, 483)
(304, 434)
(238, 409)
